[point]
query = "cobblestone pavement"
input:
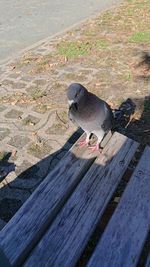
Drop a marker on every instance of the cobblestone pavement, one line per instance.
(35, 132)
(34, 129)
(34, 136)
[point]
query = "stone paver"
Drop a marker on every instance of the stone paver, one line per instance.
(35, 132)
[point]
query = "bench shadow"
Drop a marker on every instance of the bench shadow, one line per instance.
(5, 166)
(32, 176)
(125, 124)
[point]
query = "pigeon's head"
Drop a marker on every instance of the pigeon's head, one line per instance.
(76, 94)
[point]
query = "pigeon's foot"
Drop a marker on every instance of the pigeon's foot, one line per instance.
(83, 143)
(95, 148)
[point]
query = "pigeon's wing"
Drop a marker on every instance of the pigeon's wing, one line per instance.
(109, 118)
(71, 117)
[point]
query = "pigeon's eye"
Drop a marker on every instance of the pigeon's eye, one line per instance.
(77, 94)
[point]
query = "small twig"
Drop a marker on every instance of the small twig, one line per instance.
(145, 131)
(131, 117)
(61, 120)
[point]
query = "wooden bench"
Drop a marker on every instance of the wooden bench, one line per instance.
(55, 224)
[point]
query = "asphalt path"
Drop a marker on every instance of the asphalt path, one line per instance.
(25, 22)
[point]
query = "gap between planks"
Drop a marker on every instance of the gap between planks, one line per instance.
(123, 240)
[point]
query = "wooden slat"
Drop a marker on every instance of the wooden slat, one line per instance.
(123, 239)
(26, 227)
(66, 238)
(148, 262)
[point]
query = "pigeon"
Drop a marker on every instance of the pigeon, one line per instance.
(90, 113)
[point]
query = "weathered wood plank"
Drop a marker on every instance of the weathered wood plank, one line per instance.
(148, 262)
(65, 240)
(123, 239)
(26, 227)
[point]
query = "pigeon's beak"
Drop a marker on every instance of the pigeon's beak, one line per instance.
(73, 106)
(70, 102)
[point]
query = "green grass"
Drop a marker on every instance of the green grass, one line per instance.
(138, 3)
(102, 44)
(130, 11)
(28, 122)
(127, 77)
(77, 49)
(41, 108)
(3, 155)
(140, 37)
(73, 49)
(46, 59)
(37, 93)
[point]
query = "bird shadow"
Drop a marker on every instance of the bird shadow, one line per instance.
(134, 122)
(145, 60)
(144, 66)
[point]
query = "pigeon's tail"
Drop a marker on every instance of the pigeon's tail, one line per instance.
(123, 114)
